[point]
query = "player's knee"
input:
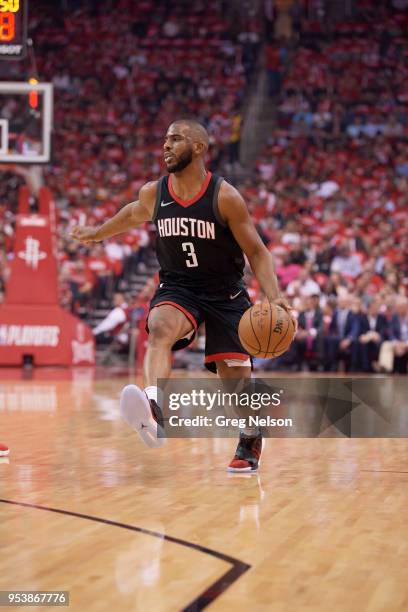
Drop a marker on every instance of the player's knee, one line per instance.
(160, 331)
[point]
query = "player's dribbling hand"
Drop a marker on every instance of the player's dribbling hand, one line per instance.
(283, 303)
(85, 234)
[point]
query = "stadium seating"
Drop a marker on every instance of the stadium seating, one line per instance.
(328, 193)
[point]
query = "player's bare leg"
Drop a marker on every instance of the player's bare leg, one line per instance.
(166, 324)
(140, 408)
(248, 453)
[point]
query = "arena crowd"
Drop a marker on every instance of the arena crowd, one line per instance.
(328, 194)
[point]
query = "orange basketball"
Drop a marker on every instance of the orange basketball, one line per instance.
(266, 330)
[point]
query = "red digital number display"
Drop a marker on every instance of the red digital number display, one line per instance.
(13, 28)
(7, 29)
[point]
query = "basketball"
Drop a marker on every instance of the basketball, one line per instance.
(266, 330)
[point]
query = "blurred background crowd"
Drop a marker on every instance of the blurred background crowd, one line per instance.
(327, 187)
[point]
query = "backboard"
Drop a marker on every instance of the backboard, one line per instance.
(25, 122)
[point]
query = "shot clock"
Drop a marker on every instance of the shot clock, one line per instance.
(13, 29)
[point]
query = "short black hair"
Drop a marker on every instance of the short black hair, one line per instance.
(196, 127)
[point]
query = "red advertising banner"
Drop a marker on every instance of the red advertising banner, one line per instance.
(49, 334)
(31, 322)
(33, 278)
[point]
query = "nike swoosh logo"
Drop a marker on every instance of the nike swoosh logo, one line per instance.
(163, 203)
(232, 297)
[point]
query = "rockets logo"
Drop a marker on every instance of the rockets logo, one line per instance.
(32, 254)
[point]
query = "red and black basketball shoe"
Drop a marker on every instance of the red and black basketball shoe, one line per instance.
(143, 415)
(248, 454)
(4, 450)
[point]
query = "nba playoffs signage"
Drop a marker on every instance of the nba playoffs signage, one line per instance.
(286, 407)
(49, 334)
(29, 335)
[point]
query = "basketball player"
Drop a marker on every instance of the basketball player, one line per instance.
(203, 230)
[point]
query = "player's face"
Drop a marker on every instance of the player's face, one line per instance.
(178, 150)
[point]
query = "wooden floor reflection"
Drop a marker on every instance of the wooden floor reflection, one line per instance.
(322, 527)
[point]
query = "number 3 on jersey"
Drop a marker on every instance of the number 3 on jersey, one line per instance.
(189, 247)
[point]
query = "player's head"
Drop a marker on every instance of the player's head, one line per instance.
(185, 141)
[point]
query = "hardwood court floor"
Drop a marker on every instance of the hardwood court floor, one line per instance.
(85, 507)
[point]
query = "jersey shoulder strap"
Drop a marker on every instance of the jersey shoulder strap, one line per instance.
(158, 196)
(217, 185)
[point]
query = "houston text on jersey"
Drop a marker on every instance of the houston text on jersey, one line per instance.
(184, 226)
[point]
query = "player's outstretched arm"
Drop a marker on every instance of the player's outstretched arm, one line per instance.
(129, 216)
(235, 213)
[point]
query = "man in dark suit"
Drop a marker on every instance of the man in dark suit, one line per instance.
(394, 352)
(372, 333)
(342, 338)
(309, 338)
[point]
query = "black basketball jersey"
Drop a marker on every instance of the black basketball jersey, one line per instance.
(195, 248)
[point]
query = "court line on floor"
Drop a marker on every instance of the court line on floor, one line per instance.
(204, 599)
(385, 471)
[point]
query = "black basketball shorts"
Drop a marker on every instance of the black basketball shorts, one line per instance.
(221, 313)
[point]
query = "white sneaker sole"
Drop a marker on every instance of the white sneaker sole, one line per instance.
(248, 469)
(135, 411)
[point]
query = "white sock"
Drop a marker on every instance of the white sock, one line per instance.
(152, 393)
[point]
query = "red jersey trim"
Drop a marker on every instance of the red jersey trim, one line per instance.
(189, 316)
(186, 203)
(221, 356)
